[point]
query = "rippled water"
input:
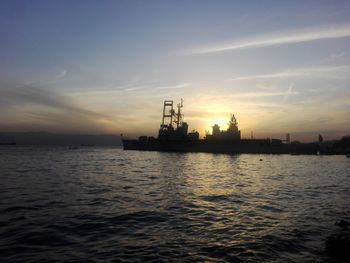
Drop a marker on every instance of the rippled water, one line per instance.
(110, 205)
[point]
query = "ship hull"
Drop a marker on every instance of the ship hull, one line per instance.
(231, 147)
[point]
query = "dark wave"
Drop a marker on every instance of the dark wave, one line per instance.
(107, 205)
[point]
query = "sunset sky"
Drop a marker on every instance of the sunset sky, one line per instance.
(106, 66)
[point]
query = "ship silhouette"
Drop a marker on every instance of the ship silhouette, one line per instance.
(173, 136)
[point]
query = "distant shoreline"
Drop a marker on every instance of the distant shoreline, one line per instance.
(46, 138)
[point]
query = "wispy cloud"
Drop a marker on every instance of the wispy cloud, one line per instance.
(256, 94)
(62, 73)
(289, 92)
(44, 97)
(45, 108)
(280, 38)
(338, 55)
(156, 88)
(312, 71)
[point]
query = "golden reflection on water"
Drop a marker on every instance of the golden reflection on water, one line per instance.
(233, 190)
(222, 175)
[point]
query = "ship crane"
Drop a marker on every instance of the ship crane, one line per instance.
(170, 116)
(168, 113)
(173, 127)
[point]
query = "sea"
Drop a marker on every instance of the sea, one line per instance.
(103, 204)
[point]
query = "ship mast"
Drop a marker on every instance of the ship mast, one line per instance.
(178, 115)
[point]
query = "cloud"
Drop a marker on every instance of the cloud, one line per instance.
(155, 88)
(336, 71)
(148, 88)
(35, 106)
(44, 97)
(61, 74)
(338, 55)
(273, 39)
(289, 92)
(265, 94)
(247, 97)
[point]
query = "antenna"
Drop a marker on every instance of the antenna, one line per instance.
(178, 115)
(288, 138)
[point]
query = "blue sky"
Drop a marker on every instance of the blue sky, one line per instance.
(107, 66)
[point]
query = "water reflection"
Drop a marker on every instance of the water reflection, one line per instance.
(110, 204)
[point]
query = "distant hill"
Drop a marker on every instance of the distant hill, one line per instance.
(46, 138)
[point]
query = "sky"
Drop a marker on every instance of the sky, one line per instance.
(105, 67)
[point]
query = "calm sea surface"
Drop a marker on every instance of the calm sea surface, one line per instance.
(109, 205)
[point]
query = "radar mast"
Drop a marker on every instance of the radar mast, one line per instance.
(178, 116)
